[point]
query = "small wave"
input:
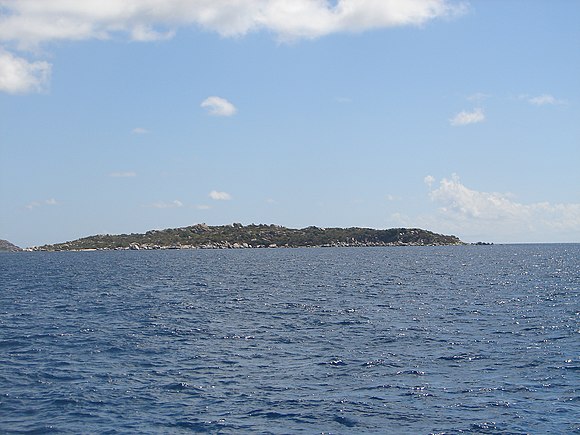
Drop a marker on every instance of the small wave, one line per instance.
(177, 386)
(411, 372)
(486, 425)
(199, 426)
(7, 344)
(377, 362)
(38, 430)
(462, 357)
(65, 402)
(345, 421)
(273, 415)
(334, 362)
(381, 387)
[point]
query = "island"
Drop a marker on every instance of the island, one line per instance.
(238, 236)
(6, 246)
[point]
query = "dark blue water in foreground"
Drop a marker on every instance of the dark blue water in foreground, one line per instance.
(363, 340)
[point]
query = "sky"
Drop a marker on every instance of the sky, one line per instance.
(459, 117)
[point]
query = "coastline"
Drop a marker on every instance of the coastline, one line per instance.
(238, 236)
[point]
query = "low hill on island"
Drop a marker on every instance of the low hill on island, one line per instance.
(256, 236)
(6, 246)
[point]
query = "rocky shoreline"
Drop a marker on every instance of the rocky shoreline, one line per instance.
(6, 246)
(238, 236)
(228, 245)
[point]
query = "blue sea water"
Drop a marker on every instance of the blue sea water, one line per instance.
(418, 340)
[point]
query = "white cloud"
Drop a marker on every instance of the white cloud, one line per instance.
(173, 204)
(127, 174)
(203, 207)
(219, 196)
(343, 100)
(456, 199)
(139, 130)
(478, 96)
(29, 23)
(497, 215)
(429, 180)
(18, 76)
(144, 33)
(543, 100)
(218, 106)
(26, 24)
(465, 118)
(46, 202)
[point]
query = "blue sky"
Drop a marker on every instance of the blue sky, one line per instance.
(457, 117)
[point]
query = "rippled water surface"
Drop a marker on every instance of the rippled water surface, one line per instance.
(474, 339)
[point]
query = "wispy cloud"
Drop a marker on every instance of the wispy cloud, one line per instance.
(219, 196)
(466, 118)
(203, 207)
(470, 211)
(19, 76)
(127, 174)
(543, 100)
(343, 100)
(139, 130)
(478, 96)
(172, 204)
(47, 202)
(218, 106)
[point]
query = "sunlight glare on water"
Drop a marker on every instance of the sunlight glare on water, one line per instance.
(474, 339)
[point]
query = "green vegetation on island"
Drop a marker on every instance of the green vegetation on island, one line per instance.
(255, 236)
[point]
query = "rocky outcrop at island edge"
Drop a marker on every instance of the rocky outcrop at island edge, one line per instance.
(238, 236)
(6, 246)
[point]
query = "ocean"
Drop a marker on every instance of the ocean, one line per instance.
(392, 340)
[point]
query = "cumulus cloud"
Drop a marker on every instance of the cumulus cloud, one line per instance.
(29, 23)
(26, 24)
(173, 204)
(543, 100)
(218, 106)
(456, 199)
(471, 211)
(144, 33)
(465, 117)
(219, 196)
(127, 174)
(19, 76)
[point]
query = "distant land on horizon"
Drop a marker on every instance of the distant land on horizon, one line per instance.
(255, 236)
(6, 246)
